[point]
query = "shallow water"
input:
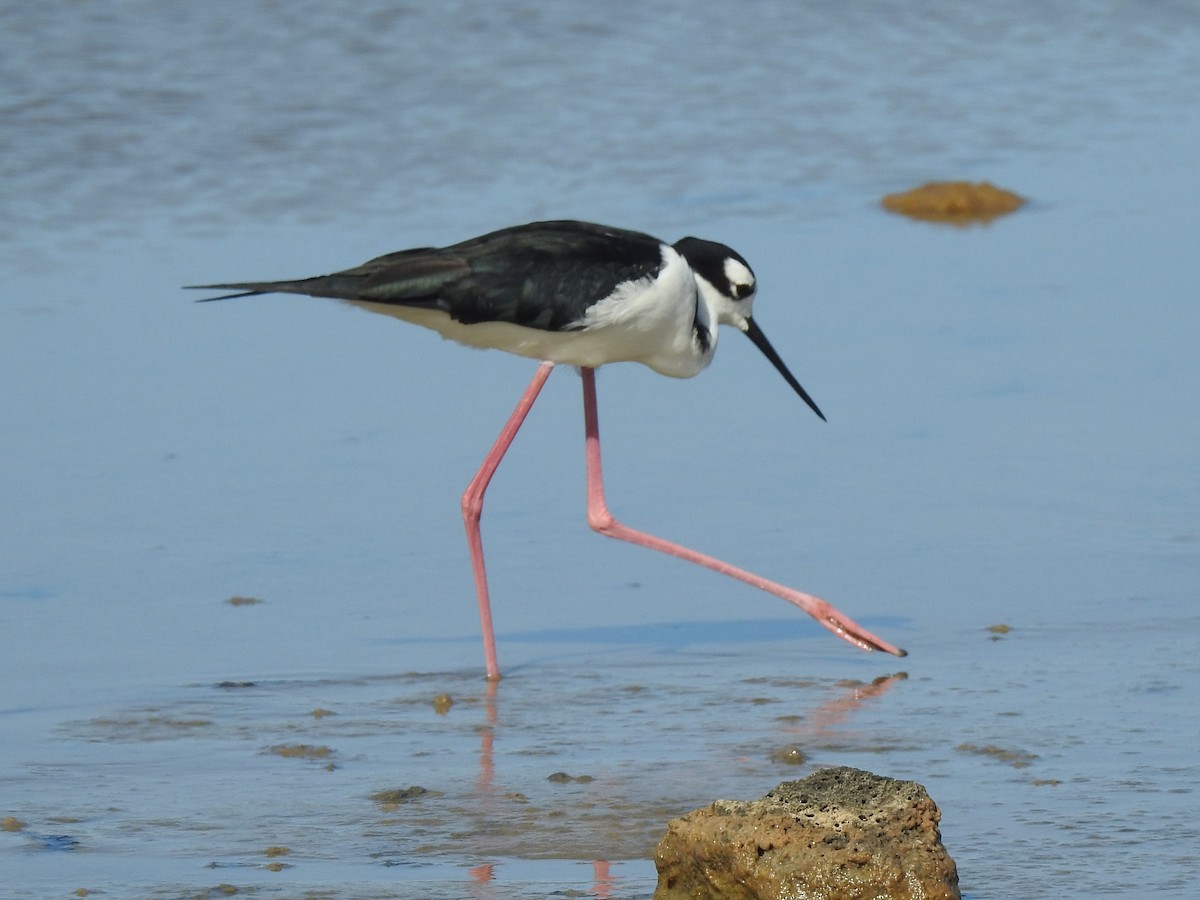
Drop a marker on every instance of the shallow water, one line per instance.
(1011, 440)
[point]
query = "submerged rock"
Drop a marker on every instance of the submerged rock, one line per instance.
(840, 834)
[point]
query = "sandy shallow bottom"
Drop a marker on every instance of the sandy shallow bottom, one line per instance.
(562, 776)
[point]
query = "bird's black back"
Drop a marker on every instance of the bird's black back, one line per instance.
(542, 275)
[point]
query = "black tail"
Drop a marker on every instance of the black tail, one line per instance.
(249, 289)
(218, 287)
(410, 277)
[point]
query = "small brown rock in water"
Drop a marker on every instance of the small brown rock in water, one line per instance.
(790, 755)
(243, 601)
(564, 778)
(395, 796)
(301, 751)
(956, 202)
(840, 834)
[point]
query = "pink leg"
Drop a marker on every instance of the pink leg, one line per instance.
(472, 508)
(602, 521)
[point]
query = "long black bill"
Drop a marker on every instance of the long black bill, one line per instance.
(760, 341)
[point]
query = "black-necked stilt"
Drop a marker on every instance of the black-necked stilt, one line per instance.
(578, 294)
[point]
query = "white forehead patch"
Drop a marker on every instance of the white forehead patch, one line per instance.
(738, 274)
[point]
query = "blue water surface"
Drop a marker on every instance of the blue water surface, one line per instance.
(1012, 440)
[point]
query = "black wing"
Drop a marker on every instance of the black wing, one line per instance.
(543, 275)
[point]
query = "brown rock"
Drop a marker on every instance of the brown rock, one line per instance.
(955, 202)
(840, 834)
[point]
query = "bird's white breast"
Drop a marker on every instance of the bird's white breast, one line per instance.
(650, 320)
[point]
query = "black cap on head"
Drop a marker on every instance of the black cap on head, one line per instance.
(707, 259)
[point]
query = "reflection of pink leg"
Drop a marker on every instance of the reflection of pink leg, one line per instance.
(602, 521)
(602, 881)
(472, 508)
